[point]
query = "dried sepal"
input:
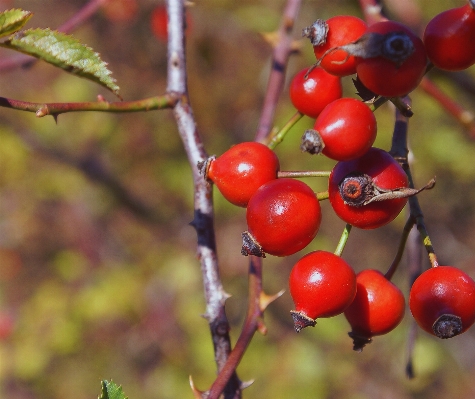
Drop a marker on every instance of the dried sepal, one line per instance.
(358, 189)
(311, 142)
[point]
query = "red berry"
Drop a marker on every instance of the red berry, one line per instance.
(347, 128)
(349, 179)
(283, 217)
(321, 284)
(449, 39)
(241, 170)
(402, 73)
(335, 32)
(159, 23)
(442, 301)
(378, 307)
(310, 95)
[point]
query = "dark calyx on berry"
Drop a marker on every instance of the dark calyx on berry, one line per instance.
(359, 341)
(203, 166)
(250, 246)
(397, 47)
(311, 142)
(356, 189)
(447, 326)
(394, 46)
(301, 320)
(317, 32)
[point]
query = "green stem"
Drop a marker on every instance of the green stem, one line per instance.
(275, 138)
(43, 109)
(322, 195)
(303, 173)
(404, 107)
(402, 244)
(399, 103)
(343, 240)
(378, 103)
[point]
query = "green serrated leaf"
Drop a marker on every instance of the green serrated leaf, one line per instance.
(110, 390)
(13, 20)
(63, 51)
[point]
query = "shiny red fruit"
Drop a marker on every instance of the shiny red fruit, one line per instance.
(321, 284)
(342, 29)
(241, 170)
(378, 307)
(385, 172)
(347, 128)
(387, 77)
(442, 301)
(283, 216)
(449, 39)
(310, 95)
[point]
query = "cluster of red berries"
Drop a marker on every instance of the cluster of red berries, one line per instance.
(367, 187)
(388, 57)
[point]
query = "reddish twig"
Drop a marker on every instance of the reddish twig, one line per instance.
(76, 20)
(252, 323)
(44, 109)
(81, 16)
(257, 299)
(463, 116)
(203, 220)
(277, 75)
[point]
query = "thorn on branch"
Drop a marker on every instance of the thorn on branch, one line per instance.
(196, 392)
(246, 384)
(265, 300)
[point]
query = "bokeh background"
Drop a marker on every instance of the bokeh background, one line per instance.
(98, 274)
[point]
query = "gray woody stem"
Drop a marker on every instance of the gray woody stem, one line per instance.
(203, 220)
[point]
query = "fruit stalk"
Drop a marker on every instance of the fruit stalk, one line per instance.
(399, 150)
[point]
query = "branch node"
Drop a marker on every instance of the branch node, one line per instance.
(42, 111)
(261, 326)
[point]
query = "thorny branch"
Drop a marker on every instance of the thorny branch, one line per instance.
(44, 109)
(203, 220)
(257, 299)
(279, 64)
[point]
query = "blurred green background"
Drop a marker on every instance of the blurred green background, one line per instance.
(98, 274)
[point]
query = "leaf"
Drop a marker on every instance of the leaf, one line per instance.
(110, 390)
(13, 20)
(65, 52)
